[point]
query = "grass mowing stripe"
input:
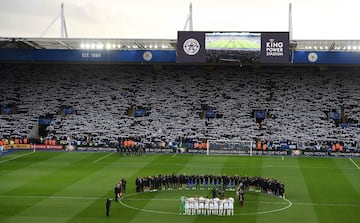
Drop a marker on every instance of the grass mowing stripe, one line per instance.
(20, 172)
(247, 166)
(336, 187)
(351, 192)
(16, 157)
(55, 180)
(353, 177)
(147, 209)
(143, 167)
(101, 177)
(101, 158)
(267, 170)
(152, 206)
(354, 163)
(50, 197)
(296, 190)
(335, 205)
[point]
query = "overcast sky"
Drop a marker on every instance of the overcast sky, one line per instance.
(312, 19)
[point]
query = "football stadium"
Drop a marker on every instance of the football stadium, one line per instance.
(214, 126)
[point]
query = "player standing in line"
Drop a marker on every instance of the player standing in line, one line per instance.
(211, 206)
(216, 206)
(221, 207)
(206, 206)
(196, 206)
(182, 205)
(201, 206)
(191, 206)
(231, 206)
(187, 206)
(226, 207)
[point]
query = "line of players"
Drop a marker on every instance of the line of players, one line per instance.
(130, 150)
(206, 206)
(224, 182)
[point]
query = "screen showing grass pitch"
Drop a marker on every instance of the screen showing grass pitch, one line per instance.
(232, 47)
(233, 41)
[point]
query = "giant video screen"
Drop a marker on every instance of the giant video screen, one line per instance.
(229, 47)
(233, 47)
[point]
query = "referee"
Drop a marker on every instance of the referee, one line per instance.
(107, 205)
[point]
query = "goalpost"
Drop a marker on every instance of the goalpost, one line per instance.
(229, 147)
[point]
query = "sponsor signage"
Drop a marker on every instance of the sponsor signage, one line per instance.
(17, 146)
(47, 147)
(152, 150)
(197, 151)
(96, 149)
(275, 48)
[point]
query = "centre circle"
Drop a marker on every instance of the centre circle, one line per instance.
(168, 202)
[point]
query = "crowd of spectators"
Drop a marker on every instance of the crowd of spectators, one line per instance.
(296, 104)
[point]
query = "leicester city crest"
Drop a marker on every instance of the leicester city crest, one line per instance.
(191, 46)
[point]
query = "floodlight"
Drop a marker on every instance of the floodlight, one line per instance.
(99, 46)
(108, 46)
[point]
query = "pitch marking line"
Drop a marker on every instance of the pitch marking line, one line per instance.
(4, 161)
(170, 199)
(174, 213)
(254, 202)
(101, 158)
(354, 163)
(50, 197)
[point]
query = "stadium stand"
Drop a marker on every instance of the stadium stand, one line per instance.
(111, 103)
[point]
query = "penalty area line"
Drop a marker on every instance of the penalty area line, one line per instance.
(4, 161)
(354, 163)
(101, 158)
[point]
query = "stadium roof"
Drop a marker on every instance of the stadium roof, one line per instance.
(153, 44)
(327, 45)
(81, 43)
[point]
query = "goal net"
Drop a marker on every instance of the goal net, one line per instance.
(228, 147)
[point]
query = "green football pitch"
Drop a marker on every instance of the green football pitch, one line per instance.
(72, 187)
(232, 44)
